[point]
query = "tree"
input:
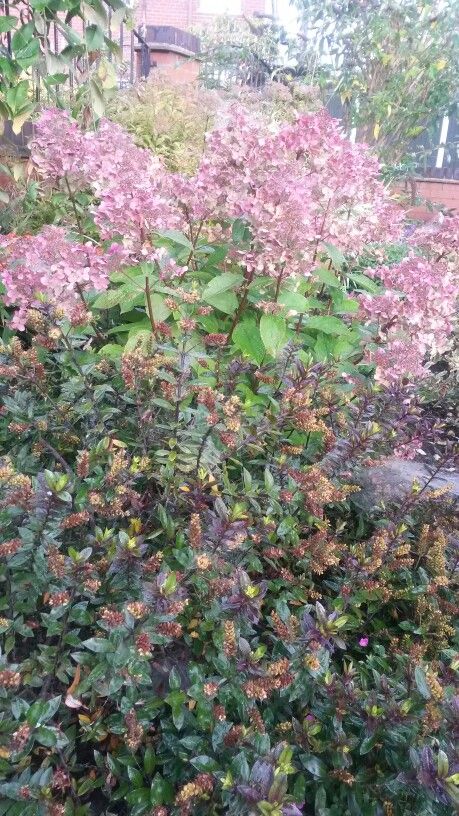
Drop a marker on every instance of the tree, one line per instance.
(393, 63)
(243, 51)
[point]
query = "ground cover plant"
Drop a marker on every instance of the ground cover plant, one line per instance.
(196, 618)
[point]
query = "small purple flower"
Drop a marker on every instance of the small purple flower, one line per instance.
(363, 642)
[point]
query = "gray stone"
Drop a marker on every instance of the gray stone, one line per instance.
(392, 480)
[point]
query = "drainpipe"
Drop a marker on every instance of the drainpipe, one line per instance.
(6, 5)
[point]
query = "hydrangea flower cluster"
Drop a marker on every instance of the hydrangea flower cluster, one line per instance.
(414, 314)
(133, 189)
(56, 127)
(50, 263)
(298, 187)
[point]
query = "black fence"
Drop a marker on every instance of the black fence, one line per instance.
(435, 152)
(438, 150)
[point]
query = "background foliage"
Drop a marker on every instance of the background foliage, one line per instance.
(394, 65)
(41, 48)
(169, 120)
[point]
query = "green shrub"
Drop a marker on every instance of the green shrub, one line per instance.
(185, 586)
(195, 616)
(171, 120)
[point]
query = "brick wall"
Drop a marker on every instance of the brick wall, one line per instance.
(188, 13)
(177, 68)
(164, 12)
(442, 192)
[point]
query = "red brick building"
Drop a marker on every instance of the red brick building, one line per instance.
(166, 26)
(186, 14)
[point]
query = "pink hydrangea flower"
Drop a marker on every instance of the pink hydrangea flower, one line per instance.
(413, 316)
(50, 267)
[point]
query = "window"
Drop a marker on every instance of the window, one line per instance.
(220, 7)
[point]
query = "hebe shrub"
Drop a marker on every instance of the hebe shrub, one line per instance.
(196, 617)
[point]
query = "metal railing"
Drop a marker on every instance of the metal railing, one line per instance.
(145, 59)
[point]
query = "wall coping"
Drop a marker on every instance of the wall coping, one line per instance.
(425, 180)
(175, 49)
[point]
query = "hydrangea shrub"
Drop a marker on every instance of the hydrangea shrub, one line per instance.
(304, 204)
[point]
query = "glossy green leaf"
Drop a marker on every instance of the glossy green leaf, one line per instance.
(273, 332)
(173, 237)
(294, 301)
(29, 54)
(336, 256)
(326, 276)
(161, 791)
(204, 763)
(326, 324)
(111, 350)
(109, 299)
(55, 79)
(97, 644)
(160, 311)
(421, 682)
(70, 34)
(225, 302)
(42, 711)
(94, 37)
(316, 766)
(97, 97)
(247, 338)
(23, 36)
(368, 744)
(45, 736)
(8, 23)
(17, 96)
(95, 12)
(221, 283)
(320, 803)
(149, 760)
(174, 679)
(21, 117)
(364, 282)
(240, 231)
